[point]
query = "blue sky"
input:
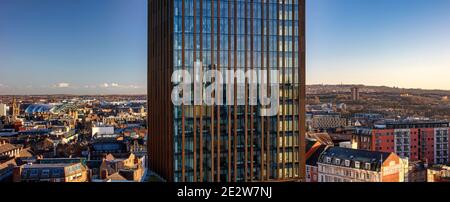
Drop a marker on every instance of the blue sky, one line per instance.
(73, 46)
(99, 46)
(404, 43)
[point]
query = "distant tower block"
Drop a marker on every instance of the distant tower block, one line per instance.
(15, 109)
(355, 94)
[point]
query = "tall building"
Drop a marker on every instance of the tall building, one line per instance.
(3, 110)
(15, 109)
(355, 93)
(424, 140)
(227, 142)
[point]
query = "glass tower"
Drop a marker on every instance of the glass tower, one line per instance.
(227, 143)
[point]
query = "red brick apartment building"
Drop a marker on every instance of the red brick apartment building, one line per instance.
(425, 140)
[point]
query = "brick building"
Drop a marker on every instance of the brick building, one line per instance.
(424, 140)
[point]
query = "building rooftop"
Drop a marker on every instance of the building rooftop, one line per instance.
(38, 108)
(410, 123)
(50, 165)
(374, 158)
(6, 147)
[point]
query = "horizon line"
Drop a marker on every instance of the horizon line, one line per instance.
(373, 85)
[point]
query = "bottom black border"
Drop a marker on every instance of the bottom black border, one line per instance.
(169, 191)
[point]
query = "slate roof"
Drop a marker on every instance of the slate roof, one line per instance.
(374, 158)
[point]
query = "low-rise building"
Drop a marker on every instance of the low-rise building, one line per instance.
(100, 130)
(338, 164)
(438, 173)
(53, 172)
(131, 169)
(8, 150)
(417, 172)
(325, 120)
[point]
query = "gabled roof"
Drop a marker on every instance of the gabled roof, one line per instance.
(26, 153)
(6, 147)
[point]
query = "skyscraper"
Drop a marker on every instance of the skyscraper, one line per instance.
(198, 143)
(355, 93)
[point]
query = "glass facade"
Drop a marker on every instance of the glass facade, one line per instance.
(233, 142)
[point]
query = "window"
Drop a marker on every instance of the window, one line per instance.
(328, 160)
(56, 173)
(45, 173)
(34, 173)
(347, 163)
(357, 164)
(338, 161)
(367, 166)
(24, 173)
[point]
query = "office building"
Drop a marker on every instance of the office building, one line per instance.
(227, 142)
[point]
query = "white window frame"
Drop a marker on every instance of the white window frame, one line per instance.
(347, 163)
(337, 161)
(357, 164)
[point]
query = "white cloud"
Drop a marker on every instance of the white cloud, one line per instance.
(90, 86)
(62, 85)
(134, 86)
(118, 86)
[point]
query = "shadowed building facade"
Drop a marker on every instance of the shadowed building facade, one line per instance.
(231, 142)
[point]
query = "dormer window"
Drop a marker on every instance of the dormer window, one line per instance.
(357, 164)
(367, 166)
(338, 161)
(347, 163)
(328, 159)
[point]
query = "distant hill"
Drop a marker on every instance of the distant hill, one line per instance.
(346, 88)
